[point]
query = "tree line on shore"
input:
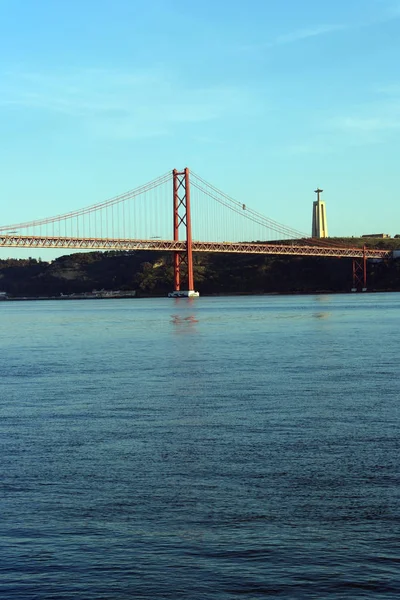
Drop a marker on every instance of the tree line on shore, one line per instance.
(151, 274)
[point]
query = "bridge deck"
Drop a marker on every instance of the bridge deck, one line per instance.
(288, 249)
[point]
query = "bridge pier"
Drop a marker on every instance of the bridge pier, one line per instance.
(360, 273)
(182, 218)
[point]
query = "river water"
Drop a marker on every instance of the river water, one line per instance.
(218, 448)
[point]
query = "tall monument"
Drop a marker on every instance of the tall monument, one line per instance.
(319, 222)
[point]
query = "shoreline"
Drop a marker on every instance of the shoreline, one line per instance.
(216, 295)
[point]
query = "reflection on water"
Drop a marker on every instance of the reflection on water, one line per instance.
(323, 298)
(184, 320)
(178, 320)
(321, 315)
(183, 302)
(184, 324)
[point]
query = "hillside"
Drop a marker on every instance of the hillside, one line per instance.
(151, 273)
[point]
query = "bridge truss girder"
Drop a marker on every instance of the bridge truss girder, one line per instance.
(290, 249)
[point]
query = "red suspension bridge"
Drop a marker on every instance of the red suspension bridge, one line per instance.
(203, 219)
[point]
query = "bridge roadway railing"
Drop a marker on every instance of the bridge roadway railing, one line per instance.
(285, 249)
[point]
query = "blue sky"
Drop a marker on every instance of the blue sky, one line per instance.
(265, 99)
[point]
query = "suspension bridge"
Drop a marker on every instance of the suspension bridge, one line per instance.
(181, 213)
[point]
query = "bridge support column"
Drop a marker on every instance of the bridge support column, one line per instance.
(182, 219)
(360, 273)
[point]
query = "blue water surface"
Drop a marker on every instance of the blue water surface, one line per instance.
(214, 448)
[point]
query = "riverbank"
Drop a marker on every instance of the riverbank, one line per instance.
(95, 275)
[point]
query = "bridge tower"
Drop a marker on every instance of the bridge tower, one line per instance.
(182, 220)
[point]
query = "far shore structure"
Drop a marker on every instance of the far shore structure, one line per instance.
(319, 222)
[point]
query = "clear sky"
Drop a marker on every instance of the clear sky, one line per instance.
(266, 99)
